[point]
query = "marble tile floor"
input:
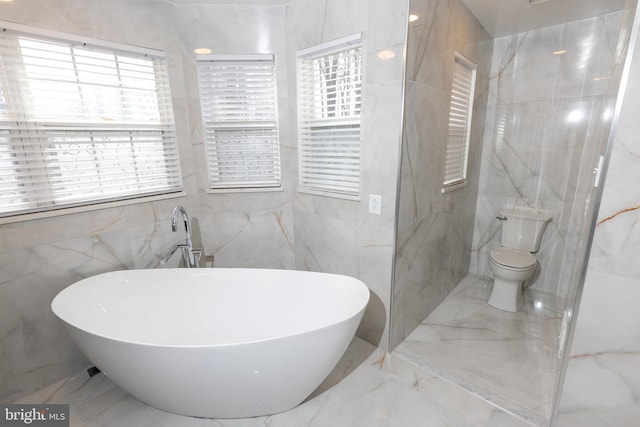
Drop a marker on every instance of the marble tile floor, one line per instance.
(509, 359)
(374, 389)
(467, 364)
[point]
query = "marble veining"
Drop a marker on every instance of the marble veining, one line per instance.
(620, 212)
(334, 235)
(510, 359)
(602, 383)
(552, 93)
(434, 231)
(268, 229)
(368, 388)
(279, 230)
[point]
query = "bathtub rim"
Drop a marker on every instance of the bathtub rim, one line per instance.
(68, 324)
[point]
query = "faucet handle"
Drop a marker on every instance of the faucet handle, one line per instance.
(191, 256)
(197, 253)
(165, 258)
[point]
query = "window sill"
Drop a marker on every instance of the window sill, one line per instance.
(245, 190)
(452, 187)
(354, 198)
(88, 208)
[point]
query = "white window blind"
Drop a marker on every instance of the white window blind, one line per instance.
(460, 109)
(82, 123)
(239, 112)
(329, 105)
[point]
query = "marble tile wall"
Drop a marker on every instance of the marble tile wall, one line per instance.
(602, 385)
(242, 229)
(340, 236)
(292, 230)
(41, 257)
(435, 230)
(548, 121)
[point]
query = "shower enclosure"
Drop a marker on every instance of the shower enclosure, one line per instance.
(544, 110)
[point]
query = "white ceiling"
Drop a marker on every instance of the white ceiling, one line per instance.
(500, 17)
(503, 17)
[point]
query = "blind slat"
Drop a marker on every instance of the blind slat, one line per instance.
(460, 110)
(239, 112)
(329, 104)
(82, 124)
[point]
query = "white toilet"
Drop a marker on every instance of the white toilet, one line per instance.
(512, 263)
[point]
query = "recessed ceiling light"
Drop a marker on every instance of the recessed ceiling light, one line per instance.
(413, 18)
(386, 54)
(202, 51)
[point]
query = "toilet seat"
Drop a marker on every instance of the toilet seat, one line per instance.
(513, 258)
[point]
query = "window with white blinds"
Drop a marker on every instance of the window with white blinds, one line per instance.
(329, 105)
(82, 122)
(239, 111)
(460, 109)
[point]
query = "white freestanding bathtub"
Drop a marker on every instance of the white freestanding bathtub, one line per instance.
(215, 343)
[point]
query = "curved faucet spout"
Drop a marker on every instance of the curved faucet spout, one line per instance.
(177, 211)
(187, 249)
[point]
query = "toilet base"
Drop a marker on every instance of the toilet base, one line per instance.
(506, 295)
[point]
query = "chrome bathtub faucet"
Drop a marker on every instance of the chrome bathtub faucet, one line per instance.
(190, 255)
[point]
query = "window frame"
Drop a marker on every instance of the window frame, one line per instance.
(266, 121)
(306, 125)
(50, 132)
(459, 154)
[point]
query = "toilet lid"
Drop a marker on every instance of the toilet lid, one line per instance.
(513, 258)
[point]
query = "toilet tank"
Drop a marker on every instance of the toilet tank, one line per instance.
(523, 227)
